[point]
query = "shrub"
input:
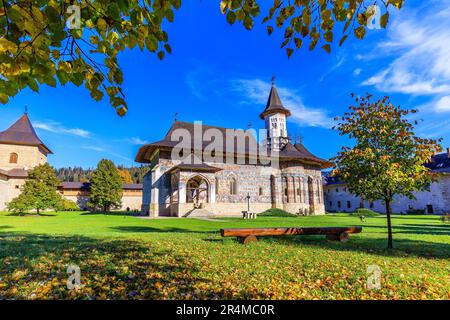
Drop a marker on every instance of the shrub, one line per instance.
(416, 211)
(69, 205)
(276, 213)
(445, 217)
(365, 212)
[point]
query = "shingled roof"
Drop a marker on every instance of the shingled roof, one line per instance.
(274, 104)
(289, 152)
(440, 163)
(22, 133)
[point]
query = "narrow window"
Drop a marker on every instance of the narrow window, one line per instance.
(371, 205)
(13, 157)
(233, 186)
(331, 203)
(339, 204)
(349, 204)
(260, 191)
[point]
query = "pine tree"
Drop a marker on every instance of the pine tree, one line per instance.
(39, 192)
(106, 187)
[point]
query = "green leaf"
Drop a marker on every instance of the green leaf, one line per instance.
(360, 32)
(343, 39)
(231, 17)
(384, 20)
(3, 98)
(327, 48)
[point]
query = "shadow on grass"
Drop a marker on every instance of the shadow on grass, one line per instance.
(111, 213)
(36, 215)
(419, 229)
(141, 229)
(35, 266)
(376, 246)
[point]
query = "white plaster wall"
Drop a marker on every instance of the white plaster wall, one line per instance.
(438, 197)
(28, 156)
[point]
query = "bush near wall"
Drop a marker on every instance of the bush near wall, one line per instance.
(69, 205)
(276, 213)
(365, 212)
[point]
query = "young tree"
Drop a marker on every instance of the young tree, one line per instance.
(39, 192)
(387, 158)
(106, 186)
(42, 42)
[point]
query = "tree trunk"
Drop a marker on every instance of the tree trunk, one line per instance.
(389, 225)
(37, 211)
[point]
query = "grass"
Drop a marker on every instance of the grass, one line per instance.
(125, 257)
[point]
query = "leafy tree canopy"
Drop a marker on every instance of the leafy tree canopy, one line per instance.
(39, 192)
(106, 186)
(387, 158)
(38, 47)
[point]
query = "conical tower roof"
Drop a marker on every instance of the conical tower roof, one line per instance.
(274, 104)
(22, 133)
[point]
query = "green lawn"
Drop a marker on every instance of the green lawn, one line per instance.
(124, 257)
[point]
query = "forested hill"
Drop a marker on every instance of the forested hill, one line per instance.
(78, 174)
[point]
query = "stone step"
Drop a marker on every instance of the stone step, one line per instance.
(200, 213)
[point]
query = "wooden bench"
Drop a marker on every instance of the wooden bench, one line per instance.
(247, 235)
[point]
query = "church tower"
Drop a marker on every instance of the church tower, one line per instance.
(275, 115)
(20, 147)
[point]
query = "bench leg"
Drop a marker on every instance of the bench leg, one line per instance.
(342, 237)
(248, 239)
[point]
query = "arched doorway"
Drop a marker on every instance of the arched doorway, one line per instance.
(197, 190)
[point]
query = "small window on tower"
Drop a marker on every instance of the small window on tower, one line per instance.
(13, 157)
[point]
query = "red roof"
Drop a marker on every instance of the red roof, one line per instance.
(22, 132)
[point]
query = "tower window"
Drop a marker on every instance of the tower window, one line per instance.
(260, 191)
(13, 157)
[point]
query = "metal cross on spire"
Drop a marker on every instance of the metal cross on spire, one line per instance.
(273, 80)
(175, 116)
(26, 109)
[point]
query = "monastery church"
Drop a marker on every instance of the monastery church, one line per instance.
(175, 188)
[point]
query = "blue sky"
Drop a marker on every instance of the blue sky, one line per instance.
(220, 74)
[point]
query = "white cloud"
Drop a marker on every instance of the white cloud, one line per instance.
(419, 41)
(107, 152)
(357, 72)
(98, 149)
(57, 127)
(257, 91)
(136, 141)
(443, 104)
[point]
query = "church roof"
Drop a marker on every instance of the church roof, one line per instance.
(14, 173)
(22, 133)
(195, 167)
(274, 104)
(87, 185)
(289, 152)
